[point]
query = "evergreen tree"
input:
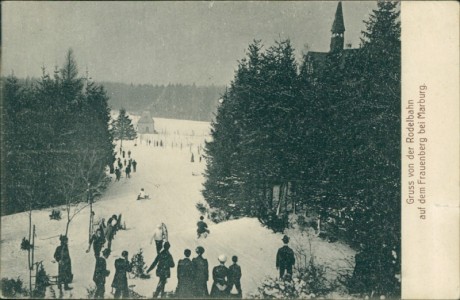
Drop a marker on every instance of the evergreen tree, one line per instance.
(122, 127)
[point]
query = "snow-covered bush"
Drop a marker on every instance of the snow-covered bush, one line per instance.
(283, 289)
(90, 292)
(26, 245)
(138, 265)
(218, 215)
(42, 281)
(12, 288)
(201, 208)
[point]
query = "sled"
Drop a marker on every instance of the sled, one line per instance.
(145, 198)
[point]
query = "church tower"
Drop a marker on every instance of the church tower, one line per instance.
(338, 29)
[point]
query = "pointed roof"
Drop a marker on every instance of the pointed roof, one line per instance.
(338, 26)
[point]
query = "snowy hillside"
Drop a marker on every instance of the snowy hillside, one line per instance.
(174, 184)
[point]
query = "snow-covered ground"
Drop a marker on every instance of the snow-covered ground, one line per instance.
(174, 184)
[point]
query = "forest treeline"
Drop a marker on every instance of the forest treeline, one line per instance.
(174, 101)
(328, 138)
(56, 140)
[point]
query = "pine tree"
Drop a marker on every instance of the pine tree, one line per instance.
(122, 127)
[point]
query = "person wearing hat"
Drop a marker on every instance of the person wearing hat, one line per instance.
(62, 256)
(285, 258)
(100, 273)
(201, 272)
(165, 262)
(219, 287)
(185, 276)
(120, 280)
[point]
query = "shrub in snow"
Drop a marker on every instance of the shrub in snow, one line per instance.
(42, 281)
(90, 292)
(138, 265)
(55, 214)
(12, 288)
(217, 215)
(26, 245)
(201, 208)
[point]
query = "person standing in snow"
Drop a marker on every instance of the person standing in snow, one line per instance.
(234, 276)
(111, 230)
(219, 287)
(124, 155)
(165, 262)
(117, 174)
(129, 153)
(134, 165)
(100, 273)
(159, 235)
(285, 258)
(97, 240)
(201, 273)
(62, 256)
(128, 171)
(120, 280)
(202, 227)
(185, 276)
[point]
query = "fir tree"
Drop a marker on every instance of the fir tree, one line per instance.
(122, 127)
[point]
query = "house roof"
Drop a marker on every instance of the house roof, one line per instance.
(145, 119)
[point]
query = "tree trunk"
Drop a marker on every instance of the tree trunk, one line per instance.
(28, 250)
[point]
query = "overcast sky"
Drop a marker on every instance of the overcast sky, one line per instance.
(163, 42)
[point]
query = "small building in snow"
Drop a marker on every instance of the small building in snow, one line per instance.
(145, 123)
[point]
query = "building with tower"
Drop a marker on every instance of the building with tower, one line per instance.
(316, 61)
(145, 123)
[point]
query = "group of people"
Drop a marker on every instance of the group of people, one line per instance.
(130, 165)
(193, 275)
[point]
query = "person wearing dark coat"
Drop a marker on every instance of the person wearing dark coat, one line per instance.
(185, 276)
(97, 240)
(117, 174)
(202, 227)
(62, 256)
(165, 262)
(219, 287)
(120, 280)
(134, 165)
(285, 258)
(201, 273)
(100, 273)
(234, 276)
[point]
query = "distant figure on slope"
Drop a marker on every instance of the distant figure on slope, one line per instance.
(164, 261)
(142, 195)
(234, 276)
(220, 277)
(202, 228)
(97, 240)
(124, 154)
(120, 280)
(185, 276)
(134, 165)
(117, 174)
(201, 273)
(192, 159)
(285, 258)
(128, 172)
(160, 235)
(124, 161)
(100, 273)
(129, 153)
(62, 256)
